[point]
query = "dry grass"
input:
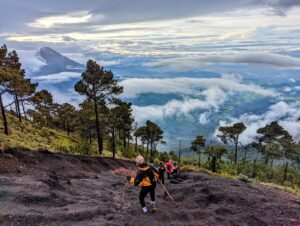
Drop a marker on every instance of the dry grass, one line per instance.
(28, 135)
(295, 191)
(191, 168)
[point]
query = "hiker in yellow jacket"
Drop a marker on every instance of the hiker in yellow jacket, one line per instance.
(146, 178)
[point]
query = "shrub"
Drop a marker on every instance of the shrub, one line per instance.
(244, 178)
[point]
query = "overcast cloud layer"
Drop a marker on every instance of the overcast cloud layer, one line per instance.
(201, 52)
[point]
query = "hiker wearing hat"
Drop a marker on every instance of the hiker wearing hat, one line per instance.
(169, 168)
(161, 170)
(146, 178)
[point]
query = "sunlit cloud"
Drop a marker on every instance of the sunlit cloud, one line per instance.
(187, 86)
(192, 63)
(58, 20)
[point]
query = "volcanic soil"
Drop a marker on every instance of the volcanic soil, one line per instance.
(44, 188)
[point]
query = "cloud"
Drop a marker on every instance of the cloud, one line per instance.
(59, 20)
(211, 94)
(70, 96)
(187, 86)
(173, 107)
(282, 6)
(204, 118)
(68, 38)
(287, 115)
(108, 62)
(59, 77)
(291, 89)
(30, 61)
(258, 58)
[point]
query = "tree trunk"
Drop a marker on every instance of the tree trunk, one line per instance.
(5, 125)
(254, 169)
(124, 138)
(272, 162)
(128, 138)
(113, 142)
(245, 156)
(266, 158)
(193, 160)
(99, 136)
(285, 172)
(199, 163)
(18, 108)
(68, 127)
(23, 107)
(235, 153)
(136, 144)
(90, 136)
(151, 152)
(213, 164)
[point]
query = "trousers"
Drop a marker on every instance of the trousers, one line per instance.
(143, 193)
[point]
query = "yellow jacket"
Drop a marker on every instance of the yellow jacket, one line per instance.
(146, 176)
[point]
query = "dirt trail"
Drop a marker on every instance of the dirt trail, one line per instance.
(42, 188)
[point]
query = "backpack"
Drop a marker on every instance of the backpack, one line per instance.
(151, 176)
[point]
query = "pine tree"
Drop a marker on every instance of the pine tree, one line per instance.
(99, 86)
(198, 145)
(231, 134)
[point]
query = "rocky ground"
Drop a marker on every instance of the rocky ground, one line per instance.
(42, 188)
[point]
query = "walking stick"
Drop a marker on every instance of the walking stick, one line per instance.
(168, 193)
(123, 195)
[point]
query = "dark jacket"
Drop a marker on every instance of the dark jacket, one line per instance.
(146, 176)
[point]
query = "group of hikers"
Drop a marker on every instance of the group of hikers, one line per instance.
(148, 176)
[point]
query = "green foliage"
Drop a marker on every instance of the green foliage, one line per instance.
(173, 156)
(274, 141)
(244, 178)
(231, 134)
(151, 134)
(163, 156)
(189, 168)
(98, 86)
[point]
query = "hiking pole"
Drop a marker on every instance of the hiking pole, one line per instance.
(123, 195)
(168, 193)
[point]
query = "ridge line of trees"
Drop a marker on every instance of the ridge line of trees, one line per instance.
(101, 116)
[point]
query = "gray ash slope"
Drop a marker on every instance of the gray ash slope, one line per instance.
(42, 188)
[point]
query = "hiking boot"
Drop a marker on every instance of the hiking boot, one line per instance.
(153, 206)
(145, 210)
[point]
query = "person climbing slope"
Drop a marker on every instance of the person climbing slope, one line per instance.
(169, 168)
(162, 170)
(175, 169)
(146, 177)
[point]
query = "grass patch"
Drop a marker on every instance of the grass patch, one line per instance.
(295, 190)
(28, 135)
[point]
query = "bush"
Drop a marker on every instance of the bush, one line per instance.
(128, 153)
(244, 178)
(190, 168)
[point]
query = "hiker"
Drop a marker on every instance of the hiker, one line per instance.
(161, 171)
(175, 169)
(146, 177)
(169, 168)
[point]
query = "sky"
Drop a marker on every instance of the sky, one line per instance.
(194, 54)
